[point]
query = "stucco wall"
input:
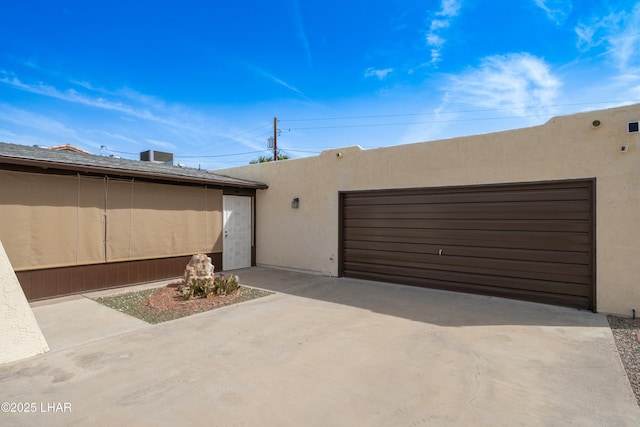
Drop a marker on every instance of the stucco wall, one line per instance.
(20, 335)
(566, 147)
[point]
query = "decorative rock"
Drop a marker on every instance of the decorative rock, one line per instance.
(200, 267)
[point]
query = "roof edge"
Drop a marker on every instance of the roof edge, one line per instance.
(48, 164)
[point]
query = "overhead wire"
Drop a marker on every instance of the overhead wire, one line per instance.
(378, 116)
(362, 125)
(454, 111)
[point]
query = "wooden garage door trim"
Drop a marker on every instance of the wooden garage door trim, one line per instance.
(528, 241)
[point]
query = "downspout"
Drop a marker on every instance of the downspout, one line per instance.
(131, 216)
(78, 221)
(106, 193)
(206, 217)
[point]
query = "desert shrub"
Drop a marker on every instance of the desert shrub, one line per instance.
(197, 288)
(204, 288)
(225, 285)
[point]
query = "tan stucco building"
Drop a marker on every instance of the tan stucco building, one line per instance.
(598, 150)
(72, 222)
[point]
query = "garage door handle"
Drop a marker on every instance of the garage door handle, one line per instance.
(439, 252)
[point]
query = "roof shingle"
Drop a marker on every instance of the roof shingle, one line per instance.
(74, 161)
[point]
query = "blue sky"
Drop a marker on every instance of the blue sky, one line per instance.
(204, 80)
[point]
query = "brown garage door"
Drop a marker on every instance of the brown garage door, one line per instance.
(532, 242)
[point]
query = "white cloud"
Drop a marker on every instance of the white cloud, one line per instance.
(625, 43)
(163, 144)
(41, 129)
(139, 119)
(119, 137)
(441, 20)
(618, 33)
(73, 96)
(435, 40)
(277, 80)
(379, 73)
(438, 24)
(515, 81)
(449, 8)
(302, 36)
(556, 10)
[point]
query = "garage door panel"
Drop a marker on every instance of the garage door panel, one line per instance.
(500, 239)
(542, 297)
(579, 216)
(510, 274)
(534, 240)
(547, 209)
(500, 225)
(470, 251)
(478, 280)
(507, 268)
(410, 197)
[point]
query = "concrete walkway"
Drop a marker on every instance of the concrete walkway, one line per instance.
(324, 352)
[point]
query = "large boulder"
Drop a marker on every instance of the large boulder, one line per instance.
(200, 267)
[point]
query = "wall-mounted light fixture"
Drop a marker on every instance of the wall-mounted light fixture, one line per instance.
(295, 203)
(595, 123)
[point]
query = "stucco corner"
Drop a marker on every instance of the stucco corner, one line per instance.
(20, 335)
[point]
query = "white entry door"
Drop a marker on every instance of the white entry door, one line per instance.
(236, 232)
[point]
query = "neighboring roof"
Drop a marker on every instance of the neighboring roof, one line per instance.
(68, 147)
(79, 162)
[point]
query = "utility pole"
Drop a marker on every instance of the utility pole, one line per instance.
(275, 140)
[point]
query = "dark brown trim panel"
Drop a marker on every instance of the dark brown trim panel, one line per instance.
(55, 282)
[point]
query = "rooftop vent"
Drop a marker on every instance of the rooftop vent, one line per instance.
(156, 157)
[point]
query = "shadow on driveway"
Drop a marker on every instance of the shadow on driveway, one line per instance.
(327, 352)
(418, 304)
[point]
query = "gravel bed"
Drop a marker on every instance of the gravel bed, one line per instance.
(625, 333)
(163, 304)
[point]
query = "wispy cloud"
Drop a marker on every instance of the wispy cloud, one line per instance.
(556, 10)
(618, 34)
(140, 119)
(517, 81)
(163, 144)
(300, 31)
(277, 80)
(73, 96)
(119, 137)
(41, 129)
(379, 73)
(441, 21)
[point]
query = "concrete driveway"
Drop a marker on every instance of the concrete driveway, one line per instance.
(325, 352)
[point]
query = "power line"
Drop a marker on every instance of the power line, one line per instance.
(121, 152)
(220, 155)
(225, 139)
(453, 112)
(300, 151)
(418, 123)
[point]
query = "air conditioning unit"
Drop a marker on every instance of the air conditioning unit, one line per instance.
(156, 157)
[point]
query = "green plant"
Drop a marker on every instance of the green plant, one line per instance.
(204, 288)
(225, 285)
(198, 288)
